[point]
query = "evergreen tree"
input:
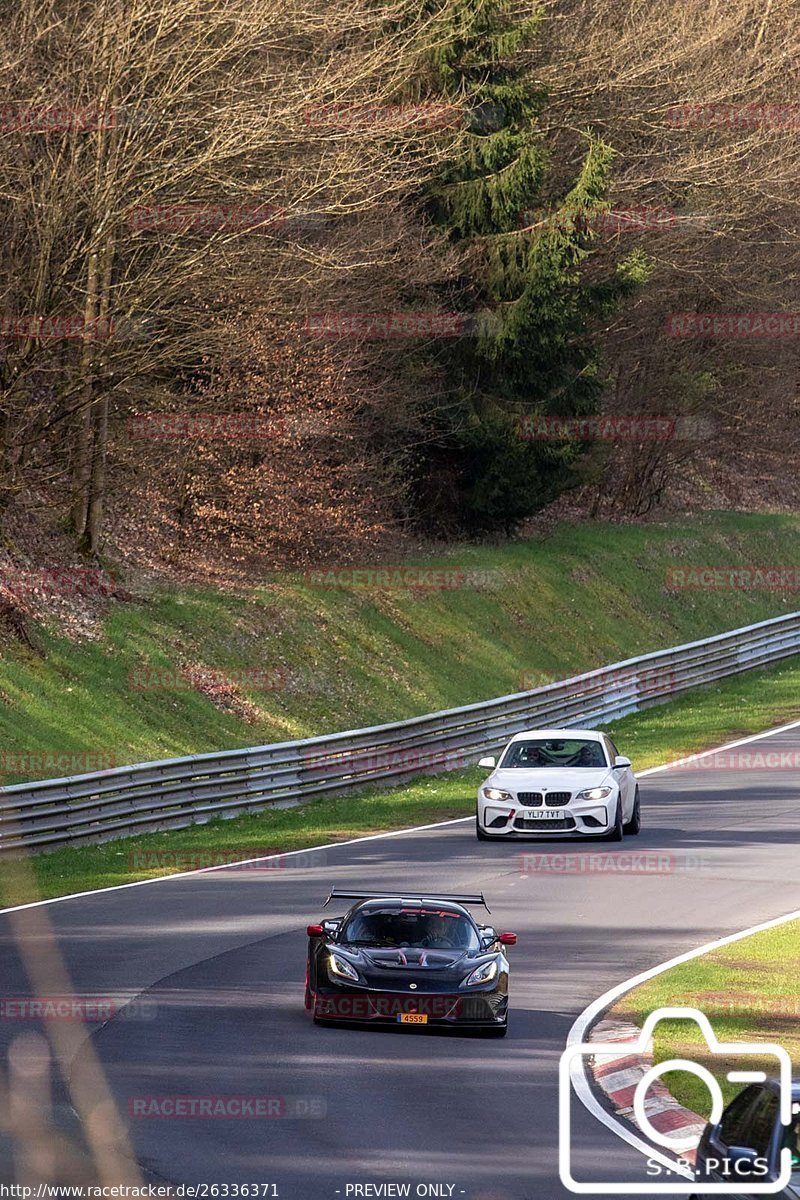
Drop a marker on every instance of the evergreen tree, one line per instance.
(530, 275)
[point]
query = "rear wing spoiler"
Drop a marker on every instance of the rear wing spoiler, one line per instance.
(432, 897)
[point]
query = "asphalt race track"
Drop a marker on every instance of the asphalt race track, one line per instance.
(222, 956)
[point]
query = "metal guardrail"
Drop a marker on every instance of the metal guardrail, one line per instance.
(186, 791)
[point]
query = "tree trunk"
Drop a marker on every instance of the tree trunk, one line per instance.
(99, 430)
(98, 481)
(82, 469)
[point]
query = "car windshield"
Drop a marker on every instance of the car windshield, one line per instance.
(431, 929)
(554, 752)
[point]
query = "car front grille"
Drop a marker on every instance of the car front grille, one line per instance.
(549, 799)
(556, 799)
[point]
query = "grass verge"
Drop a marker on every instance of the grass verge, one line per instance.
(703, 718)
(510, 618)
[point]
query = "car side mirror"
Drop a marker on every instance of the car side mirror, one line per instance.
(743, 1154)
(507, 939)
(487, 762)
(315, 931)
(621, 761)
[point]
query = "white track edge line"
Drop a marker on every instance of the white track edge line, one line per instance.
(118, 887)
(371, 837)
(753, 737)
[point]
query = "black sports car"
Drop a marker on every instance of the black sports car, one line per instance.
(412, 960)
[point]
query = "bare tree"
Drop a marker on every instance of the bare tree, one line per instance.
(700, 104)
(162, 166)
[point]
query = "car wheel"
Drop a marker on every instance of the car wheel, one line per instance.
(635, 824)
(616, 834)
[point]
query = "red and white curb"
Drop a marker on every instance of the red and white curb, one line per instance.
(619, 1075)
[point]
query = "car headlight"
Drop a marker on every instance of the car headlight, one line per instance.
(496, 794)
(482, 974)
(599, 793)
(340, 966)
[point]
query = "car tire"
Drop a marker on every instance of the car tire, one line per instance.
(617, 832)
(498, 1031)
(635, 824)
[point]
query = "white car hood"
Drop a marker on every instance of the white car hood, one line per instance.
(558, 779)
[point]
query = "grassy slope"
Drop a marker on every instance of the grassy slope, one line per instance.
(583, 597)
(706, 717)
(748, 991)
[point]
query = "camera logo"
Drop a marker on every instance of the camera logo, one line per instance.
(679, 1171)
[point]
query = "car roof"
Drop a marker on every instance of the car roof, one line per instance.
(591, 734)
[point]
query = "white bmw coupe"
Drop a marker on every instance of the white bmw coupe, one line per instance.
(556, 783)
